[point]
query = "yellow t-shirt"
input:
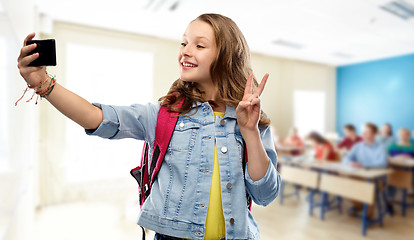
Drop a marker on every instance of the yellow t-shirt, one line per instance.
(215, 227)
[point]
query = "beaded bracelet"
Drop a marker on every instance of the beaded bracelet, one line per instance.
(44, 93)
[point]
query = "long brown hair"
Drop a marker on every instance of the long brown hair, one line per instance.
(229, 70)
(318, 138)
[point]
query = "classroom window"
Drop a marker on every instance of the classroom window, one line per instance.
(309, 111)
(108, 76)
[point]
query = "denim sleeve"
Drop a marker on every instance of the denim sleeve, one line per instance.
(266, 189)
(137, 121)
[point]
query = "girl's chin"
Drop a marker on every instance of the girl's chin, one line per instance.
(188, 79)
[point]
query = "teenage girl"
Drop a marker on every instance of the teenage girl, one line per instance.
(200, 190)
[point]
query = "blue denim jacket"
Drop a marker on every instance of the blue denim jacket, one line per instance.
(177, 205)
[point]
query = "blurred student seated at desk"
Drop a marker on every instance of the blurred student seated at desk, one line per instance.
(324, 151)
(351, 137)
(403, 148)
(386, 135)
(294, 143)
(368, 153)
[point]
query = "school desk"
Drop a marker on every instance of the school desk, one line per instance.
(298, 177)
(287, 160)
(344, 176)
(402, 178)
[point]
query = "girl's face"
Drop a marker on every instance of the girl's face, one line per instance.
(198, 51)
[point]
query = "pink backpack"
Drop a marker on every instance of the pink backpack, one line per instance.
(146, 173)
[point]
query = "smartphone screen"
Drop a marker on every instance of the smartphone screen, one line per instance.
(47, 52)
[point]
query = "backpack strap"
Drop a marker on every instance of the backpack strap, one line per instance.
(147, 171)
(166, 122)
(245, 160)
(140, 174)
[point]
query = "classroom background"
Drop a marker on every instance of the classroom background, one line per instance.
(331, 63)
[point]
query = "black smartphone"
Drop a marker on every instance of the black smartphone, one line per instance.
(47, 52)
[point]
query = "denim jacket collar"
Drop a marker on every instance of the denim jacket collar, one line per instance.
(230, 111)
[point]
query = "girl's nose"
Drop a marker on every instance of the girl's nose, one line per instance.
(186, 51)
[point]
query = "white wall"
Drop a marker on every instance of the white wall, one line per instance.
(17, 185)
(286, 76)
(22, 17)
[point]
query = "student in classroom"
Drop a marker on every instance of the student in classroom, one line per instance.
(324, 151)
(200, 190)
(351, 137)
(295, 142)
(386, 135)
(403, 148)
(368, 153)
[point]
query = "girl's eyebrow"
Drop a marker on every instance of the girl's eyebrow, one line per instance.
(198, 37)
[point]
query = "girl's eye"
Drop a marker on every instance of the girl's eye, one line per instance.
(183, 44)
(199, 46)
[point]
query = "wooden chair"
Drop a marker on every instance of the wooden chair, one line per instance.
(298, 177)
(348, 188)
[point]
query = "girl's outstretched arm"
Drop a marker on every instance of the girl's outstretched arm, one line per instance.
(248, 115)
(67, 102)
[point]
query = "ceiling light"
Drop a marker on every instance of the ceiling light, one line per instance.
(286, 43)
(342, 55)
(400, 8)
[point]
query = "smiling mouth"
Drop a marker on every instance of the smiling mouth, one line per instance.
(187, 64)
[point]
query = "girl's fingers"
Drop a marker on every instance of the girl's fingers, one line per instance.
(254, 95)
(26, 50)
(244, 104)
(28, 59)
(252, 100)
(248, 87)
(262, 84)
(29, 37)
(28, 70)
(255, 101)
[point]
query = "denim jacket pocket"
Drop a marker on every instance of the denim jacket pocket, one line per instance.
(184, 136)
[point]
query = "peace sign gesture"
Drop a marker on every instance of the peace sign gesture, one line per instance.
(248, 110)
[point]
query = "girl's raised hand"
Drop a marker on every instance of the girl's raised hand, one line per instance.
(248, 110)
(32, 75)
